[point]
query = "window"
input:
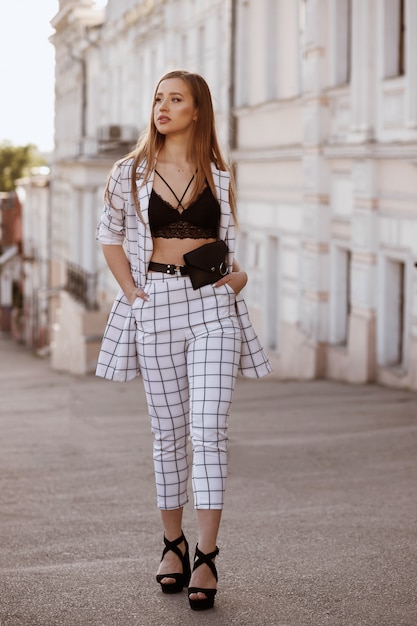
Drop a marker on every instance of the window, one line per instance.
(271, 44)
(340, 296)
(271, 309)
(201, 49)
(401, 39)
(394, 305)
(283, 52)
(395, 38)
(184, 47)
(341, 41)
(346, 42)
(242, 54)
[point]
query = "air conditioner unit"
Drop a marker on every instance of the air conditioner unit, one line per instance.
(117, 133)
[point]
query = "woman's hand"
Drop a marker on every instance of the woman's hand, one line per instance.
(120, 268)
(236, 280)
(135, 293)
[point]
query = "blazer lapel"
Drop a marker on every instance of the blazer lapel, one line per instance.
(144, 239)
(226, 226)
(144, 192)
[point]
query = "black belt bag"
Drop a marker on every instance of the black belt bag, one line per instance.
(207, 264)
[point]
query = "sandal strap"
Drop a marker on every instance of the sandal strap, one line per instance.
(172, 546)
(201, 558)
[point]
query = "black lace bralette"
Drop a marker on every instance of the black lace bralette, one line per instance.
(200, 220)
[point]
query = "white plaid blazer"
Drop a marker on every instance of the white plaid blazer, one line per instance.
(120, 225)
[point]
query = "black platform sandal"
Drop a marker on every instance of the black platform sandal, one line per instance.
(208, 601)
(181, 580)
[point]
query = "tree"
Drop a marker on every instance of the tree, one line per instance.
(16, 162)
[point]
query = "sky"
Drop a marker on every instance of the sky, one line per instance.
(27, 72)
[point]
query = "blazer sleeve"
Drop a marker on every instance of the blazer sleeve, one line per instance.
(111, 228)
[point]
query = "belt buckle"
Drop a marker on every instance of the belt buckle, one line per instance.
(173, 269)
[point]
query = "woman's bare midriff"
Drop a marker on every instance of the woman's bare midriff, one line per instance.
(172, 250)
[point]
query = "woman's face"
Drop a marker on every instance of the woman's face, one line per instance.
(174, 110)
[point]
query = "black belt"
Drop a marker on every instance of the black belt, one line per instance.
(170, 268)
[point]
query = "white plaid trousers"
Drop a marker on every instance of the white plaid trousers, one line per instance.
(188, 342)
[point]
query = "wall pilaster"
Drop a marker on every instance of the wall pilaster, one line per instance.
(411, 65)
(362, 325)
(362, 77)
(314, 253)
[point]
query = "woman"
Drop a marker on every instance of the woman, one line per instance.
(169, 197)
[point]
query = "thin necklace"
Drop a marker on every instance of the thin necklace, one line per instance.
(180, 170)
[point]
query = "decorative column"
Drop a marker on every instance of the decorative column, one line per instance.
(362, 321)
(362, 324)
(411, 64)
(314, 293)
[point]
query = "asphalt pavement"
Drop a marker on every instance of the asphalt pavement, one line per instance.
(319, 528)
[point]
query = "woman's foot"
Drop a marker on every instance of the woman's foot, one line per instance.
(174, 570)
(203, 582)
(171, 562)
(204, 578)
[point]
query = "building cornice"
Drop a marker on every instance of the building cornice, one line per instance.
(404, 151)
(86, 15)
(270, 105)
(284, 153)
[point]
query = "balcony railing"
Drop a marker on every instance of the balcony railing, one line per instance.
(82, 286)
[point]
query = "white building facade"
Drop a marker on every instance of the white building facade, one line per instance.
(107, 64)
(316, 102)
(326, 161)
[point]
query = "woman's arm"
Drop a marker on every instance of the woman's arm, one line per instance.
(119, 266)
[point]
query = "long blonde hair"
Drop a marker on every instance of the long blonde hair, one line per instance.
(204, 143)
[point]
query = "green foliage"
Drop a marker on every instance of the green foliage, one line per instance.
(16, 162)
